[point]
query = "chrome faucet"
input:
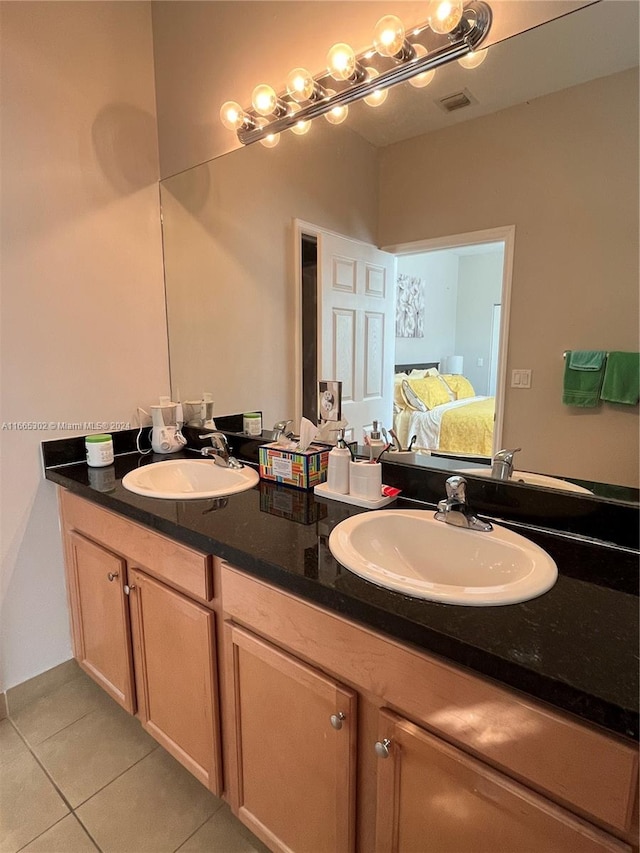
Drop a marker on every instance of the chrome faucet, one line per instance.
(502, 466)
(455, 509)
(280, 430)
(219, 450)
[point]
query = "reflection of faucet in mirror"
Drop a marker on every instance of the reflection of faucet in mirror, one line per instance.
(502, 467)
(280, 430)
(219, 451)
(455, 510)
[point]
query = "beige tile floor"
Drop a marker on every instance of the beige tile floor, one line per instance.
(79, 775)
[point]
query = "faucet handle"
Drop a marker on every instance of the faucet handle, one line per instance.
(506, 455)
(456, 489)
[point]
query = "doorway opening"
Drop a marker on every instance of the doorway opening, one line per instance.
(465, 283)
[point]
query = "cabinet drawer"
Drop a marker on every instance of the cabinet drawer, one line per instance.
(182, 567)
(574, 764)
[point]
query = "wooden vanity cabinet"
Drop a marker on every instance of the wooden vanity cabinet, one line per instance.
(150, 645)
(447, 761)
(433, 796)
(292, 744)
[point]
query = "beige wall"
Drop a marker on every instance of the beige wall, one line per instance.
(564, 170)
(229, 261)
(210, 51)
(83, 324)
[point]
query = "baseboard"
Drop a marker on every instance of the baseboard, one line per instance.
(22, 694)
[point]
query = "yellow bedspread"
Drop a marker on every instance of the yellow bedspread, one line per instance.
(469, 429)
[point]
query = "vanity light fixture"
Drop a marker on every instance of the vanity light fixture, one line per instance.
(367, 76)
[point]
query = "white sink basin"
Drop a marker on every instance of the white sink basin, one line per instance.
(530, 480)
(410, 552)
(188, 479)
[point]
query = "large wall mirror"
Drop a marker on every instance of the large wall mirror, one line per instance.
(548, 144)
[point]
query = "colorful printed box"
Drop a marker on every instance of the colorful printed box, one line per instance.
(302, 469)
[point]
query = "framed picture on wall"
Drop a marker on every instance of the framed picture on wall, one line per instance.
(409, 306)
(329, 400)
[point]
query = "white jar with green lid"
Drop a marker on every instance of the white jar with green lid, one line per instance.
(252, 423)
(99, 450)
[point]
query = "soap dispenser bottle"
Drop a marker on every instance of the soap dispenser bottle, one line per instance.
(338, 467)
(376, 442)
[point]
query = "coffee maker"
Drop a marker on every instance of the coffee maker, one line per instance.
(166, 434)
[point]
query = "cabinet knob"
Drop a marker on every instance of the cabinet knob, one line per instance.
(382, 748)
(336, 720)
(112, 576)
(128, 587)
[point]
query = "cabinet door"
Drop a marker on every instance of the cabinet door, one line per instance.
(101, 618)
(433, 797)
(176, 680)
(294, 730)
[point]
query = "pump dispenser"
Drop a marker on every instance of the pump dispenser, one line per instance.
(376, 443)
(338, 467)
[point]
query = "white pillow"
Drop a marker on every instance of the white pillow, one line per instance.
(412, 398)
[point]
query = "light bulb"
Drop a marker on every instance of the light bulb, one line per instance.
(423, 79)
(473, 58)
(232, 115)
(338, 114)
(444, 15)
(300, 84)
(272, 139)
(300, 127)
(388, 36)
(341, 62)
(264, 99)
(378, 96)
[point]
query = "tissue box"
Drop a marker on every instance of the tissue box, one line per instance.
(302, 469)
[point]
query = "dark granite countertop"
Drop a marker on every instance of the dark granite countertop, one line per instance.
(575, 647)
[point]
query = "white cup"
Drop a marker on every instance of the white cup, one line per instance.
(365, 480)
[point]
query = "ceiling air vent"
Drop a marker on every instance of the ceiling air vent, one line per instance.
(457, 101)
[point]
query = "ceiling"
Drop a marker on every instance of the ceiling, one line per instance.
(592, 42)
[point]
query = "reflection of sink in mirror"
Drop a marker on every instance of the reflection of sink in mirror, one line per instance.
(188, 479)
(410, 552)
(530, 479)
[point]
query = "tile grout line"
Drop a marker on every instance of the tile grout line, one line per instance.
(198, 828)
(57, 790)
(72, 810)
(106, 785)
(53, 734)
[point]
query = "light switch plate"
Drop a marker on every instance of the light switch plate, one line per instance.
(521, 378)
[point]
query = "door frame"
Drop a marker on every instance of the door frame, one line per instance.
(506, 234)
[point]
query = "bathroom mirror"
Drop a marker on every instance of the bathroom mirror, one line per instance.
(228, 232)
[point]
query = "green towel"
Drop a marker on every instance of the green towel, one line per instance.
(582, 386)
(586, 359)
(622, 378)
